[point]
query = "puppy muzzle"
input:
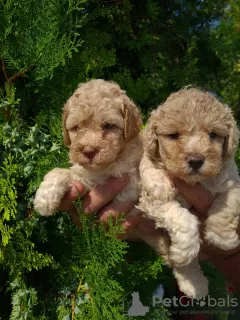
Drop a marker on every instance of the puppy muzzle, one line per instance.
(195, 162)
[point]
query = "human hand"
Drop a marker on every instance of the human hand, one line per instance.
(99, 200)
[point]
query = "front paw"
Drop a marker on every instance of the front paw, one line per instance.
(191, 280)
(47, 200)
(221, 230)
(195, 287)
(226, 241)
(51, 191)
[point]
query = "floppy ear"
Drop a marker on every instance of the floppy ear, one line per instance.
(66, 137)
(150, 141)
(231, 141)
(132, 120)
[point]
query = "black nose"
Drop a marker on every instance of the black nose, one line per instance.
(195, 164)
(195, 161)
(89, 152)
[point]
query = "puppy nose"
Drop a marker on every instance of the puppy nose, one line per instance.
(89, 152)
(195, 161)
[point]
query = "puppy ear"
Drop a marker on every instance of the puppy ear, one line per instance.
(132, 120)
(231, 141)
(66, 137)
(150, 141)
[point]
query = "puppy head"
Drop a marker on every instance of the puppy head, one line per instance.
(98, 121)
(193, 134)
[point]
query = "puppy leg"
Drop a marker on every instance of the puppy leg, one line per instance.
(157, 200)
(51, 191)
(191, 280)
(223, 219)
(182, 227)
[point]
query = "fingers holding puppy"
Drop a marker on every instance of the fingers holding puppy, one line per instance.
(100, 195)
(99, 200)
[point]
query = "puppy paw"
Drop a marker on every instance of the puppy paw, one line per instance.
(51, 191)
(227, 241)
(221, 230)
(47, 199)
(191, 280)
(194, 289)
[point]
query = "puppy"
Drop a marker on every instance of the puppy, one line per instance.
(101, 128)
(191, 136)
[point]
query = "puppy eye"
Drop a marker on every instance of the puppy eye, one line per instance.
(107, 126)
(174, 136)
(212, 135)
(75, 128)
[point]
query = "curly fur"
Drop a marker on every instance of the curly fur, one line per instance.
(101, 127)
(191, 127)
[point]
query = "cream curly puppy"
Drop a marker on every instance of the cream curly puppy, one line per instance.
(191, 136)
(101, 127)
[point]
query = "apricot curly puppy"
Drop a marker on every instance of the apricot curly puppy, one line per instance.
(191, 136)
(101, 127)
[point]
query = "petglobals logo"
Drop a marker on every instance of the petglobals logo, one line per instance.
(133, 306)
(184, 301)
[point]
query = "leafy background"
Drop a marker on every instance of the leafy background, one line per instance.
(48, 268)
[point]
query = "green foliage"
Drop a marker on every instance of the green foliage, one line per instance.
(103, 276)
(97, 255)
(7, 200)
(48, 268)
(39, 35)
(225, 41)
(27, 148)
(23, 301)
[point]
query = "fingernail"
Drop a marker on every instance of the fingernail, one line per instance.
(74, 191)
(87, 210)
